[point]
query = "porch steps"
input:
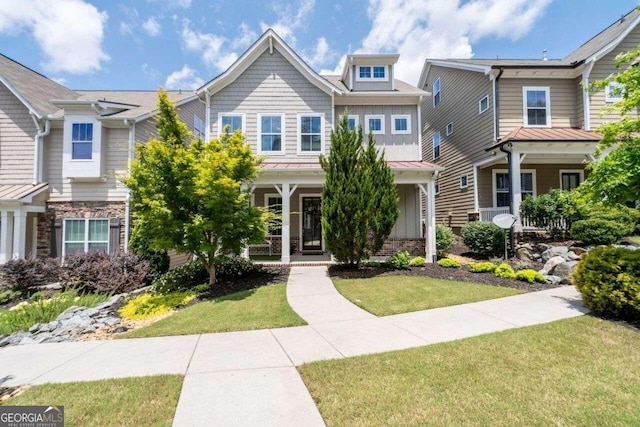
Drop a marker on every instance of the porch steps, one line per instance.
(297, 263)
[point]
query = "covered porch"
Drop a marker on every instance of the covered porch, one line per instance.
(19, 208)
(294, 190)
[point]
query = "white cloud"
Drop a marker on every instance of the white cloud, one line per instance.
(419, 29)
(125, 29)
(246, 37)
(186, 78)
(290, 19)
(173, 4)
(335, 71)
(152, 27)
(60, 80)
(321, 54)
(69, 32)
(209, 46)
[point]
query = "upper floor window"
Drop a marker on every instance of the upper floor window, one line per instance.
(271, 133)
(369, 72)
(613, 92)
(352, 122)
(310, 133)
(84, 235)
(198, 127)
(81, 141)
(437, 96)
(234, 121)
(401, 124)
(483, 104)
(436, 145)
(449, 128)
(374, 124)
(464, 181)
(537, 111)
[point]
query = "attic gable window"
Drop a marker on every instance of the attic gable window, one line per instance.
(537, 108)
(371, 72)
(613, 92)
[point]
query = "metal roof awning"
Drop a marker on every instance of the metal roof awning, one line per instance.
(21, 193)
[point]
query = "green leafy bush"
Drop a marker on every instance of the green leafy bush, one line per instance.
(529, 275)
(445, 239)
(9, 296)
(158, 261)
(597, 231)
(150, 305)
(104, 273)
(609, 280)
(369, 263)
(418, 262)
(229, 267)
(483, 267)
(40, 310)
(399, 260)
(505, 271)
(449, 263)
(483, 237)
(555, 211)
(25, 274)
(624, 217)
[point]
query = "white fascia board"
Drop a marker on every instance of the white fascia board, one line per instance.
(461, 66)
(608, 48)
(154, 112)
(20, 97)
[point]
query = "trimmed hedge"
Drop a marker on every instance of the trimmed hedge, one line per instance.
(445, 239)
(418, 262)
(399, 260)
(505, 271)
(609, 280)
(449, 263)
(483, 237)
(597, 231)
(483, 267)
(529, 275)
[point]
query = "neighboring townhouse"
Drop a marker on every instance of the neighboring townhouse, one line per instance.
(512, 128)
(62, 154)
(287, 112)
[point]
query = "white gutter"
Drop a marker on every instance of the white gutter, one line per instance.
(96, 107)
(419, 120)
(127, 204)
(207, 119)
(37, 147)
(586, 105)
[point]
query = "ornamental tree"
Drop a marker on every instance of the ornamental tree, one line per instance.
(615, 175)
(359, 196)
(191, 197)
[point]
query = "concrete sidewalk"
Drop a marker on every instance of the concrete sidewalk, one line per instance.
(249, 377)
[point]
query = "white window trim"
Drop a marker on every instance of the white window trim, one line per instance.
(447, 132)
(241, 115)
(607, 92)
(438, 92)
(480, 110)
(436, 189)
(525, 117)
(493, 182)
(372, 79)
(266, 206)
(563, 171)
(86, 233)
(394, 131)
(197, 132)
(356, 118)
(374, 116)
(282, 138)
(322, 134)
(466, 178)
(433, 145)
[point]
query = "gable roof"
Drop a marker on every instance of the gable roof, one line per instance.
(400, 88)
(268, 40)
(33, 89)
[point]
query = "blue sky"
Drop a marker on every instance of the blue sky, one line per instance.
(143, 44)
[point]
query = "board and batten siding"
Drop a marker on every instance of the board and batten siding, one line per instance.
(17, 132)
(115, 144)
(602, 69)
(461, 91)
(396, 147)
(563, 94)
(273, 85)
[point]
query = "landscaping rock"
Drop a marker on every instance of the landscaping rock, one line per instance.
(578, 250)
(27, 340)
(35, 328)
(120, 329)
(116, 299)
(554, 280)
(110, 321)
(525, 253)
(572, 256)
(551, 264)
(555, 251)
(5, 341)
(564, 270)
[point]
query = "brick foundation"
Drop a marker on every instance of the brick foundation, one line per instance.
(416, 247)
(68, 210)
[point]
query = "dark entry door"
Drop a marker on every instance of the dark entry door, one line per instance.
(311, 224)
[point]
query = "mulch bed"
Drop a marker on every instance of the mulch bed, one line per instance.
(269, 275)
(433, 270)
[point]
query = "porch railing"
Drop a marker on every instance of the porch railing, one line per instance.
(487, 214)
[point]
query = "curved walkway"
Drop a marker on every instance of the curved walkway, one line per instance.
(249, 377)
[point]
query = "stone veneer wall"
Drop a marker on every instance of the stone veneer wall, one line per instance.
(69, 210)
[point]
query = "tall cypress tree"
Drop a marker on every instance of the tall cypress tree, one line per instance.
(359, 197)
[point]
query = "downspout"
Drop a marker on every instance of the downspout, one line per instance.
(37, 147)
(207, 119)
(586, 106)
(496, 105)
(509, 166)
(419, 112)
(127, 204)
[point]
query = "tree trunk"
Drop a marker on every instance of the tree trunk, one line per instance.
(212, 275)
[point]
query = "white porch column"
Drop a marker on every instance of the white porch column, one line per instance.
(286, 224)
(245, 251)
(516, 187)
(431, 222)
(6, 236)
(19, 234)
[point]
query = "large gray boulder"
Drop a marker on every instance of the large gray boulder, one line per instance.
(551, 264)
(555, 251)
(564, 270)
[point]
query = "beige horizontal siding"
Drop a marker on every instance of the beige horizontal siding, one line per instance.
(17, 132)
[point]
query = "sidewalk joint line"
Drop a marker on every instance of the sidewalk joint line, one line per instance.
(66, 361)
(281, 347)
(195, 347)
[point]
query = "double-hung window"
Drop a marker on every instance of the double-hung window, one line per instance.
(273, 203)
(537, 108)
(374, 124)
(501, 186)
(352, 122)
(437, 96)
(81, 141)
(436, 145)
(84, 235)
(271, 133)
(310, 131)
(230, 122)
(401, 124)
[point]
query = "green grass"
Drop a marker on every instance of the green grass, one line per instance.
(264, 307)
(265, 257)
(577, 372)
(401, 294)
(635, 240)
(145, 401)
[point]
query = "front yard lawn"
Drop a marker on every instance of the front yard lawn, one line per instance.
(579, 371)
(386, 295)
(635, 240)
(260, 308)
(144, 401)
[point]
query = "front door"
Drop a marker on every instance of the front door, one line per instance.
(311, 224)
